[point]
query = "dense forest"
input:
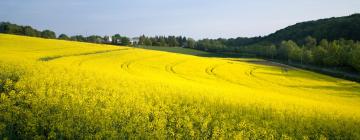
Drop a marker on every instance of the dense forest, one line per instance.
(333, 54)
(331, 42)
(347, 27)
(331, 29)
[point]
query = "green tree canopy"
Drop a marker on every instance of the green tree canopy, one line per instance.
(48, 34)
(63, 37)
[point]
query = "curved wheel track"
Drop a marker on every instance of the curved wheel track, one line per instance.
(211, 71)
(126, 66)
(170, 68)
(252, 73)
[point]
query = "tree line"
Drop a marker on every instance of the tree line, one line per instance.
(211, 45)
(9, 28)
(168, 41)
(332, 54)
(324, 53)
(6, 27)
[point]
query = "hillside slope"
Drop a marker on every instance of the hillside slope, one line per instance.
(71, 90)
(347, 27)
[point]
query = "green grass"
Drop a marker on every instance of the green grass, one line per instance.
(182, 50)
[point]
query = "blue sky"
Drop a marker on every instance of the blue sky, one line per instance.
(192, 18)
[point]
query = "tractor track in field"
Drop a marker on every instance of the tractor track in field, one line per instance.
(52, 49)
(127, 64)
(82, 61)
(170, 68)
(251, 73)
(211, 71)
(51, 58)
(284, 70)
(262, 82)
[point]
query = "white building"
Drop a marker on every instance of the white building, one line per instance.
(134, 41)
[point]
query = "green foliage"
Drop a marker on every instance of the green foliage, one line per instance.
(319, 54)
(347, 27)
(355, 57)
(117, 39)
(296, 54)
(78, 38)
(8, 28)
(148, 42)
(324, 43)
(241, 41)
(210, 45)
(333, 57)
(337, 53)
(125, 41)
(270, 51)
(48, 34)
(310, 42)
(190, 43)
(63, 37)
(162, 41)
(286, 48)
(172, 41)
(169, 41)
(308, 57)
(29, 31)
(94, 39)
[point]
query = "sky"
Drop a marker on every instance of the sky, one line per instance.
(192, 18)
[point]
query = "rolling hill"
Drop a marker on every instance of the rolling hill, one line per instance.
(71, 90)
(347, 27)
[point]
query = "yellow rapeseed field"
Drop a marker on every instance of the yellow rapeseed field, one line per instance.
(70, 90)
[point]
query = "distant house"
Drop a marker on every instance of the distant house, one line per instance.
(134, 41)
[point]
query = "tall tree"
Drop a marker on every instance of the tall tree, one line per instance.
(355, 57)
(308, 57)
(63, 37)
(190, 43)
(270, 51)
(48, 34)
(28, 31)
(78, 38)
(319, 54)
(286, 47)
(310, 42)
(296, 54)
(147, 42)
(125, 41)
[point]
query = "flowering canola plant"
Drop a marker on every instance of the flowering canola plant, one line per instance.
(61, 89)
